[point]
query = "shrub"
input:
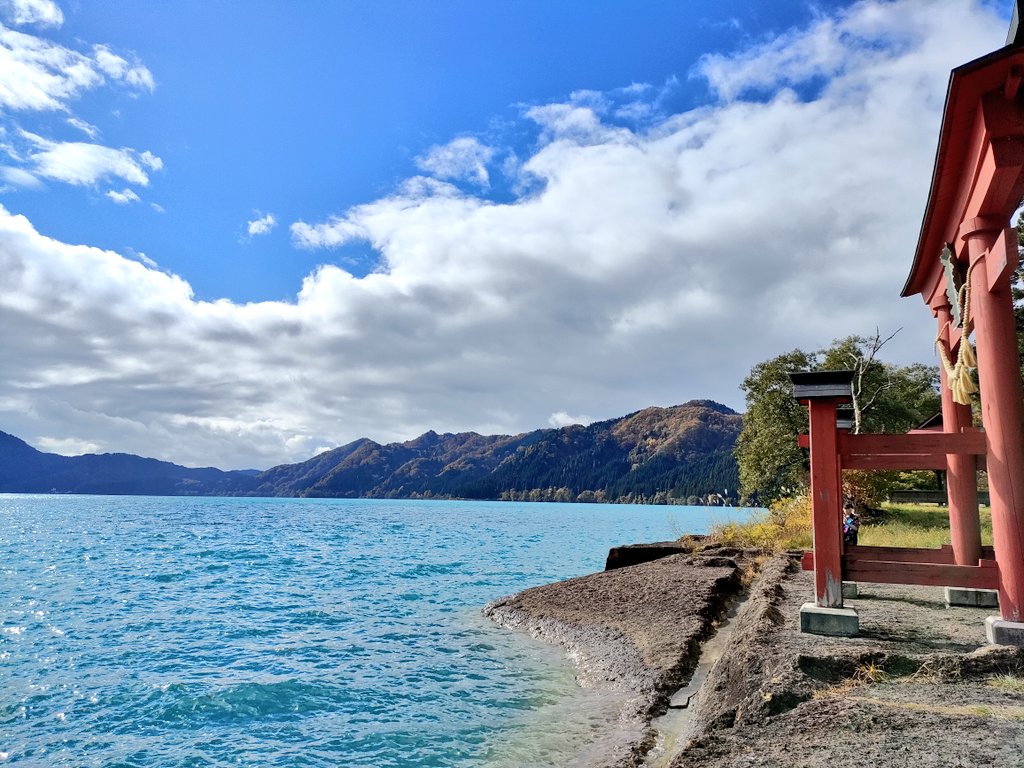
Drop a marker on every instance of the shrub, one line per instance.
(786, 525)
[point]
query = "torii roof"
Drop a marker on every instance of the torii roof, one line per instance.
(967, 84)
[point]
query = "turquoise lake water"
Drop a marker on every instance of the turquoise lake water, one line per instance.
(142, 631)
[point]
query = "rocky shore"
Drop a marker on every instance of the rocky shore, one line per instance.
(918, 687)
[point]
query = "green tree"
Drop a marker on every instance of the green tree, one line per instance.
(771, 463)
(888, 398)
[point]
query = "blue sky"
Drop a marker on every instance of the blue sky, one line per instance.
(302, 110)
(239, 233)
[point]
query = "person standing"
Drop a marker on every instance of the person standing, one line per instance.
(851, 523)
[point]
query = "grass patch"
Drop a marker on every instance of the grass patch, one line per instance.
(916, 525)
(1007, 683)
(900, 534)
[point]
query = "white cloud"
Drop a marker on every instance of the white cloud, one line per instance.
(143, 258)
(116, 67)
(66, 446)
(572, 123)
(647, 267)
(81, 163)
(45, 13)
(20, 178)
(261, 225)
(151, 161)
(787, 59)
(330, 234)
(462, 159)
(123, 197)
(562, 419)
(38, 74)
(87, 128)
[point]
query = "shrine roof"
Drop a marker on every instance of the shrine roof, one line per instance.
(967, 84)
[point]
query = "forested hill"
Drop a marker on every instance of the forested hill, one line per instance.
(23, 469)
(682, 451)
(653, 455)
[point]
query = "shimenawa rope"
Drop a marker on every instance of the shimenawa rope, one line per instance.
(961, 385)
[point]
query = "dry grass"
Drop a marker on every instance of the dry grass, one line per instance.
(977, 710)
(787, 525)
(1007, 683)
(865, 674)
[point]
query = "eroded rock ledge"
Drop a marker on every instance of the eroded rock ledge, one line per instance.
(636, 629)
(919, 687)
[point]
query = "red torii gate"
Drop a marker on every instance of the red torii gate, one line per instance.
(966, 238)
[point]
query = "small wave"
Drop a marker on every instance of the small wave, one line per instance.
(396, 636)
(246, 701)
(432, 569)
(318, 618)
(166, 578)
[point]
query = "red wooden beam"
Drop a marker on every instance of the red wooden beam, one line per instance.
(943, 554)
(916, 450)
(900, 554)
(863, 554)
(985, 575)
(935, 461)
(807, 561)
(907, 451)
(917, 443)
(1002, 258)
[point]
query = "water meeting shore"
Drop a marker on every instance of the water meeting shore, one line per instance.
(918, 686)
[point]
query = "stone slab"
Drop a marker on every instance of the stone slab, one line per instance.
(972, 598)
(634, 554)
(1002, 632)
(834, 622)
(850, 590)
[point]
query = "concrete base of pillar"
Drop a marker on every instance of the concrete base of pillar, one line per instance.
(972, 598)
(1000, 632)
(835, 622)
(849, 590)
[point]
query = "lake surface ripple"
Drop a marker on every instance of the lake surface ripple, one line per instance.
(140, 631)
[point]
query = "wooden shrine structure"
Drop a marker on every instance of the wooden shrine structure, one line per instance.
(962, 269)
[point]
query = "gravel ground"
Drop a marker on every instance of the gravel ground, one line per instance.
(916, 688)
(919, 687)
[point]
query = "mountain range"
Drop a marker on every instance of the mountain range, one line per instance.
(656, 455)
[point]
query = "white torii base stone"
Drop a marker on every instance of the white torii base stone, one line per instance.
(1001, 632)
(835, 622)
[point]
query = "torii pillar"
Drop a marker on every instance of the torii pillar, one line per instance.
(822, 392)
(977, 184)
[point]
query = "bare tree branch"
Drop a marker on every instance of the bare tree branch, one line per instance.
(860, 362)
